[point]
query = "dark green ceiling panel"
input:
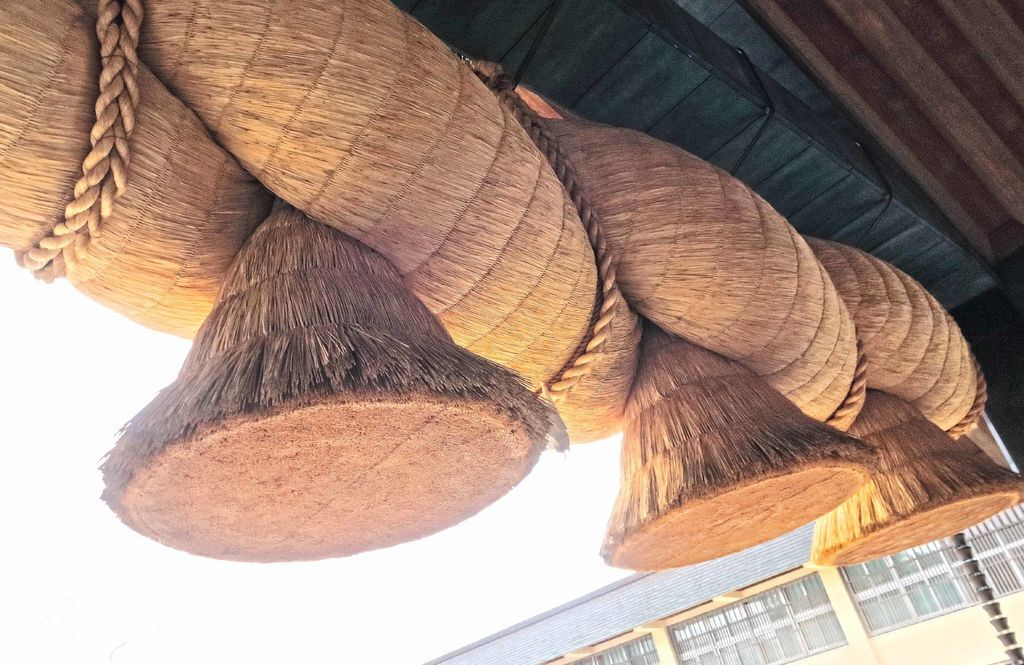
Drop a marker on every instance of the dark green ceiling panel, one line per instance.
(801, 180)
(896, 230)
(482, 27)
(870, 230)
(913, 262)
(567, 69)
(773, 140)
(669, 77)
(647, 64)
(963, 279)
(837, 207)
(706, 119)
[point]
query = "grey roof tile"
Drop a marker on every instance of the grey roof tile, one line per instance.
(636, 600)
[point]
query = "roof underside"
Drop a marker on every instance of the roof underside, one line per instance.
(939, 83)
(649, 65)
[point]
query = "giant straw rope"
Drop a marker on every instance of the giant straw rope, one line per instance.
(914, 348)
(704, 257)
(377, 129)
(516, 231)
(929, 483)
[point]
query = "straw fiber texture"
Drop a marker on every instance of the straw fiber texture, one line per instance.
(600, 374)
(188, 206)
(714, 461)
(927, 486)
(915, 350)
(971, 422)
(355, 113)
(105, 168)
(704, 257)
(595, 408)
(848, 411)
(322, 411)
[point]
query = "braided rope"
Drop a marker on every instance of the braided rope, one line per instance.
(846, 412)
(558, 389)
(980, 397)
(105, 168)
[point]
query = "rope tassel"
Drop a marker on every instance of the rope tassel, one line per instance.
(322, 411)
(714, 461)
(927, 486)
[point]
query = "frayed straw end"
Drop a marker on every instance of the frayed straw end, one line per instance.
(323, 411)
(715, 461)
(928, 486)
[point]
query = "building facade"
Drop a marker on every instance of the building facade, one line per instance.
(914, 607)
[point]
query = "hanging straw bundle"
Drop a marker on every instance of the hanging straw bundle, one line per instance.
(355, 113)
(714, 461)
(704, 257)
(323, 411)
(914, 349)
(927, 486)
(159, 258)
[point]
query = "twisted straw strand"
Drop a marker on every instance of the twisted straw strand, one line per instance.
(558, 389)
(105, 168)
(980, 397)
(845, 413)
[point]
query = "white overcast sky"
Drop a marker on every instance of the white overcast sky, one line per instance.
(78, 587)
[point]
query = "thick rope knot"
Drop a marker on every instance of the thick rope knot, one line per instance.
(582, 363)
(105, 169)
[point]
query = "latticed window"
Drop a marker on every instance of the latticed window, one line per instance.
(777, 626)
(907, 587)
(927, 581)
(637, 652)
(999, 546)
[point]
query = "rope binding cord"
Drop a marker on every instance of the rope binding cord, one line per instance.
(969, 420)
(105, 169)
(558, 389)
(854, 401)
